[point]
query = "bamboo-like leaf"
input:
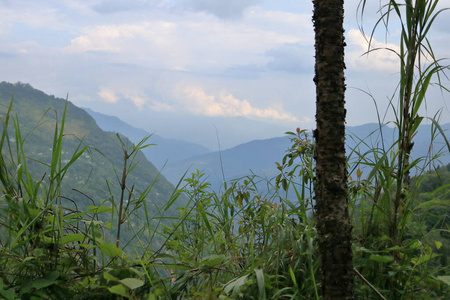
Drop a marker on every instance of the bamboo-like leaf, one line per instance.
(72, 237)
(381, 258)
(213, 260)
(444, 279)
(119, 289)
(132, 283)
(261, 283)
(49, 280)
(110, 249)
(235, 285)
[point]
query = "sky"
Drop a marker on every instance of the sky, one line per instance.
(206, 71)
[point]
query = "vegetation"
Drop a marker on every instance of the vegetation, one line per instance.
(132, 239)
(234, 244)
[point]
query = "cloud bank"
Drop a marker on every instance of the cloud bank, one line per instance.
(383, 59)
(198, 101)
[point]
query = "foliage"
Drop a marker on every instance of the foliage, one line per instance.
(138, 240)
(403, 260)
(240, 243)
(50, 247)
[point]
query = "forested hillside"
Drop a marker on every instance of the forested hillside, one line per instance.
(37, 112)
(95, 177)
(435, 186)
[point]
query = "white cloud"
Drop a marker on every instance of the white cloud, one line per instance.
(382, 59)
(192, 44)
(178, 68)
(160, 106)
(119, 38)
(139, 102)
(134, 57)
(108, 95)
(124, 92)
(198, 101)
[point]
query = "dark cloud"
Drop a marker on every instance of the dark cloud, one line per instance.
(291, 57)
(224, 9)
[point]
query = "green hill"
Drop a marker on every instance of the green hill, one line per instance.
(95, 177)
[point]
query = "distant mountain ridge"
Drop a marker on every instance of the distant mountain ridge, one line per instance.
(257, 156)
(165, 150)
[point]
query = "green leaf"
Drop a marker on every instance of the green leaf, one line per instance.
(110, 250)
(7, 294)
(444, 279)
(132, 283)
(381, 258)
(212, 260)
(109, 277)
(438, 244)
(119, 290)
(234, 286)
(291, 272)
(99, 209)
(71, 237)
(422, 259)
(261, 283)
(47, 281)
(435, 202)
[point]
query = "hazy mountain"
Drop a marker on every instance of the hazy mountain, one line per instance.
(259, 156)
(103, 162)
(367, 136)
(166, 151)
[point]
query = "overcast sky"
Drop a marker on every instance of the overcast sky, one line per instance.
(197, 69)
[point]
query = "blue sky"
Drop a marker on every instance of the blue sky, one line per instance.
(198, 69)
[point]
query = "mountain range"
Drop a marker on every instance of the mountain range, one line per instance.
(172, 157)
(177, 157)
(163, 150)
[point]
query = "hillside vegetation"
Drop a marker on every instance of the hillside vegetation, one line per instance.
(74, 225)
(66, 159)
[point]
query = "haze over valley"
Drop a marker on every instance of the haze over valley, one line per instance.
(200, 71)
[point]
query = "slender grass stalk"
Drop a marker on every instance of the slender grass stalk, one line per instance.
(129, 163)
(393, 202)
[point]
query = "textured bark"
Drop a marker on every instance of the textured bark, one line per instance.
(333, 223)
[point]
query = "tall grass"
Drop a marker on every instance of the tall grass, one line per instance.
(394, 254)
(243, 242)
(246, 244)
(49, 248)
(237, 243)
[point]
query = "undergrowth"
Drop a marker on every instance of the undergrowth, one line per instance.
(254, 239)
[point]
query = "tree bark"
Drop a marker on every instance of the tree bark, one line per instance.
(331, 209)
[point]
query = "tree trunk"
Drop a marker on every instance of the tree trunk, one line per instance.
(333, 223)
